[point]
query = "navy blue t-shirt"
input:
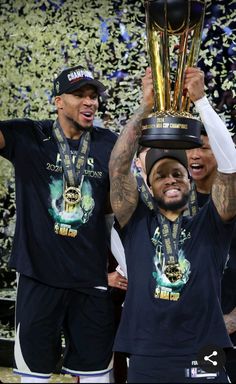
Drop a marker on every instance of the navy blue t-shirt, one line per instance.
(163, 318)
(54, 243)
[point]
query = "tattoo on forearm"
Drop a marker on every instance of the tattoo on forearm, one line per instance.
(224, 194)
(124, 197)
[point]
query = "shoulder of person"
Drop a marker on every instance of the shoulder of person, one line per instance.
(16, 122)
(26, 122)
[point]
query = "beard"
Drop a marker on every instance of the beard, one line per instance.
(172, 206)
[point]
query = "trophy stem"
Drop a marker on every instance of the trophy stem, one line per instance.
(158, 81)
(160, 63)
(178, 90)
(166, 60)
(193, 54)
(166, 69)
(182, 54)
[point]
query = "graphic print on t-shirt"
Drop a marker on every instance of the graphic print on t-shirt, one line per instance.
(165, 289)
(68, 218)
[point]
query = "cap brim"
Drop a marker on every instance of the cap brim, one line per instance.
(79, 84)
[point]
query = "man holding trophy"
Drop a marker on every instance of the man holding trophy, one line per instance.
(172, 325)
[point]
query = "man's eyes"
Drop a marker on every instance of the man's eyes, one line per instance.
(81, 96)
(175, 175)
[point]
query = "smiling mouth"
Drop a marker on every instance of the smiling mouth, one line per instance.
(88, 116)
(172, 192)
(196, 167)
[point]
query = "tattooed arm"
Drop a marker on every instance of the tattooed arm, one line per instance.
(124, 192)
(224, 195)
(222, 145)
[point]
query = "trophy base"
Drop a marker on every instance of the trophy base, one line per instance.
(171, 132)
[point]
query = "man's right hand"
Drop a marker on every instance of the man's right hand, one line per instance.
(194, 83)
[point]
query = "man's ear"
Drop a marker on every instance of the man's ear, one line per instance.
(58, 102)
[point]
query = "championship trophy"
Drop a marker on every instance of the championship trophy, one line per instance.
(171, 125)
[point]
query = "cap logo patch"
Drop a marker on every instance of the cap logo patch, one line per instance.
(76, 75)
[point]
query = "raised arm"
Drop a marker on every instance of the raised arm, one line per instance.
(222, 145)
(124, 192)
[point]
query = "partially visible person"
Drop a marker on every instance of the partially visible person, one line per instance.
(203, 170)
(116, 278)
(60, 245)
(228, 303)
(139, 161)
(138, 168)
(174, 262)
(118, 284)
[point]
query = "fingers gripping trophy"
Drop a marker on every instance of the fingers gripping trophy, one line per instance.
(180, 22)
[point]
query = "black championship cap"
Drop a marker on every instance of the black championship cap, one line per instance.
(155, 154)
(71, 79)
